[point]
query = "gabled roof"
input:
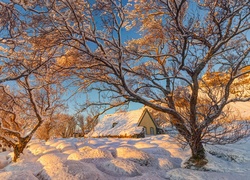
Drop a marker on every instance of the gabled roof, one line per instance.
(143, 114)
(127, 124)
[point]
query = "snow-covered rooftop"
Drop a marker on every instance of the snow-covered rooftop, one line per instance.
(119, 124)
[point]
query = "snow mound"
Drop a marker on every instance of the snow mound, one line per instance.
(51, 142)
(33, 167)
(76, 156)
(81, 170)
(17, 175)
(54, 143)
(155, 158)
(3, 162)
(27, 162)
(183, 174)
(188, 174)
(164, 157)
(55, 173)
(54, 168)
(85, 148)
(147, 176)
(72, 170)
(51, 150)
(90, 155)
(37, 148)
(135, 155)
(65, 146)
(95, 142)
(4, 159)
(142, 145)
(165, 163)
(121, 167)
(70, 151)
(228, 154)
(218, 164)
(50, 160)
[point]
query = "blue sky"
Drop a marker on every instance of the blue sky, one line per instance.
(81, 97)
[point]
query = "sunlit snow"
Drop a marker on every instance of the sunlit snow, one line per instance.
(153, 157)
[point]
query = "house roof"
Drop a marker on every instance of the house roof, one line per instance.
(127, 124)
(143, 114)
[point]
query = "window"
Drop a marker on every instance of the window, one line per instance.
(114, 124)
(152, 131)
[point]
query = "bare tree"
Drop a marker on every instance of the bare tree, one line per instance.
(81, 123)
(14, 45)
(22, 113)
(88, 122)
(27, 78)
(64, 126)
(179, 42)
(45, 131)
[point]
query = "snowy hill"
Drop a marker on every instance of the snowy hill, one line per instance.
(150, 158)
(240, 88)
(242, 109)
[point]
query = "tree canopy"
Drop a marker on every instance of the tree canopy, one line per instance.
(158, 53)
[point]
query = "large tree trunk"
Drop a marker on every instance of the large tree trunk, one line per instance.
(198, 151)
(198, 158)
(18, 148)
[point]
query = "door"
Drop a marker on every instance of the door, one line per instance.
(152, 131)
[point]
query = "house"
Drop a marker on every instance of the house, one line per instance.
(137, 123)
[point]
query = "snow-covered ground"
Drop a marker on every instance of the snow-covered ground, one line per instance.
(154, 157)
